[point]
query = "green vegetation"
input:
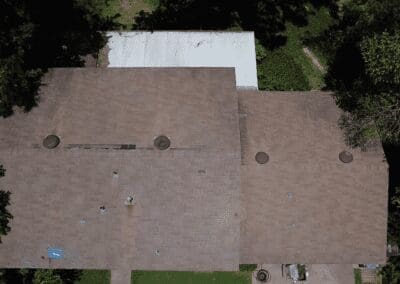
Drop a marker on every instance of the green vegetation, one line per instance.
(247, 267)
(363, 51)
(357, 276)
(391, 272)
(126, 9)
(173, 277)
(94, 276)
(5, 215)
(287, 67)
(278, 71)
(46, 276)
(37, 35)
(40, 276)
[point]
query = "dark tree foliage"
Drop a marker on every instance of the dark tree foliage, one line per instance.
(392, 153)
(267, 18)
(363, 50)
(33, 276)
(37, 35)
(5, 215)
(391, 272)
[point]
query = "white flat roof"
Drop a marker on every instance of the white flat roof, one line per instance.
(186, 49)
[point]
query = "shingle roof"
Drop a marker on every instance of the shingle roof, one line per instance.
(305, 205)
(186, 196)
(202, 204)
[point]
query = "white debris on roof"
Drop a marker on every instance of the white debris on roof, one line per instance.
(186, 49)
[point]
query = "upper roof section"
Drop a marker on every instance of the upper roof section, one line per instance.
(187, 196)
(194, 107)
(186, 49)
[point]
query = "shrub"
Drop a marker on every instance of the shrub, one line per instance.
(279, 72)
(247, 267)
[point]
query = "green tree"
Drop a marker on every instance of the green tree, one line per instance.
(5, 215)
(391, 271)
(37, 35)
(24, 276)
(267, 18)
(363, 48)
(45, 276)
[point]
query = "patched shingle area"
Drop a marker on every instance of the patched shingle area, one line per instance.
(73, 196)
(305, 205)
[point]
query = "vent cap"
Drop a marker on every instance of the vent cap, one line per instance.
(51, 141)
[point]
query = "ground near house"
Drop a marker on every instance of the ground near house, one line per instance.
(95, 276)
(171, 277)
(126, 8)
(289, 67)
(319, 274)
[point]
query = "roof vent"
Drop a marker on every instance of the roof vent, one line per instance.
(162, 142)
(345, 157)
(262, 157)
(51, 141)
(263, 275)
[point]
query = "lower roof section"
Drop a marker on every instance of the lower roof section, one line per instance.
(305, 205)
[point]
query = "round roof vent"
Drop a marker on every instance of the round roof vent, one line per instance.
(51, 141)
(263, 275)
(162, 142)
(346, 157)
(262, 157)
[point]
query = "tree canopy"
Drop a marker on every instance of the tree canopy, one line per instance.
(40, 276)
(43, 276)
(5, 215)
(363, 48)
(391, 272)
(267, 18)
(36, 35)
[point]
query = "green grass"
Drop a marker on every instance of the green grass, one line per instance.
(294, 59)
(247, 267)
(95, 276)
(126, 8)
(357, 276)
(152, 277)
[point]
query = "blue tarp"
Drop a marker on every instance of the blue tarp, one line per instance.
(55, 253)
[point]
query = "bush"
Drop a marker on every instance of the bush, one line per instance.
(44, 276)
(5, 215)
(357, 276)
(247, 267)
(279, 72)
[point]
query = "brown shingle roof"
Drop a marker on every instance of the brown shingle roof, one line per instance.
(186, 196)
(202, 204)
(305, 205)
